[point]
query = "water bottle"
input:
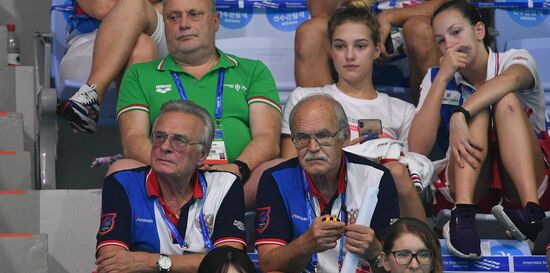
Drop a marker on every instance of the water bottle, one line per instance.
(13, 46)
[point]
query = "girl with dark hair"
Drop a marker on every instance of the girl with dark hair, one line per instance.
(226, 259)
(492, 112)
(411, 246)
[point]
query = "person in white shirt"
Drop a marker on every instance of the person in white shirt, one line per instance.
(354, 45)
(491, 109)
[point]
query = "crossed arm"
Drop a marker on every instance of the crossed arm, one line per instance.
(114, 258)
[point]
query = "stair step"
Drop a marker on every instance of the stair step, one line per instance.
(15, 170)
(11, 131)
(24, 253)
(19, 211)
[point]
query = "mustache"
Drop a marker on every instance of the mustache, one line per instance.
(319, 156)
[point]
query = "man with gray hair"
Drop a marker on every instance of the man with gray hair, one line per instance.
(307, 206)
(170, 208)
(240, 94)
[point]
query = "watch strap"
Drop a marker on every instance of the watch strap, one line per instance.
(243, 170)
(463, 111)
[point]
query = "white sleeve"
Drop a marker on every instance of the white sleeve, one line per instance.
(294, 98)
(524, 58)
(424, 89)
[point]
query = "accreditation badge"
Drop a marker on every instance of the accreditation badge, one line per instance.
(451, 97)
(218, 154)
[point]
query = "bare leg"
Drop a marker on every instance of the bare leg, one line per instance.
(409, 201)
(251, 185)
(144, 51)
(519, 150)
(116, 39)
(464, 181)
(422, 51)
(311, 49)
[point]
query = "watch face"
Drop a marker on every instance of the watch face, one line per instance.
(164, 262)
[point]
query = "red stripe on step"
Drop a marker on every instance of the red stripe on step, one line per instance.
(11, 235)
(12, 192)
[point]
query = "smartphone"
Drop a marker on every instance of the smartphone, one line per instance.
(370, 128)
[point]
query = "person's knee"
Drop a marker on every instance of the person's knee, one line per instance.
(134, 5)
(399, 173)
(419, 37)
(309, 36)
(508, 105)
(143, 51)
(140, 13)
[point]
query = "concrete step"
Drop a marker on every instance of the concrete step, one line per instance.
(24, 253)
(71, 220)
(15, 170)
(19, 211)
(18, 93)
(11, 131)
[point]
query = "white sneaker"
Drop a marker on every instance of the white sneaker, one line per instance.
(82, 109)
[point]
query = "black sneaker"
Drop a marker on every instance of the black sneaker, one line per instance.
(520, 224)
(82, 109)
(460, 233)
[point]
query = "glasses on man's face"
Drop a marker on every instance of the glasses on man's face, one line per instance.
(404, 257)
(323, 137)
(178, 142)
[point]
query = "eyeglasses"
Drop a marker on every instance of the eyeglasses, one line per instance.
(323, 138)
(404, 257)
(177, 142)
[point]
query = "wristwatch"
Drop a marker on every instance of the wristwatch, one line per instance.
(463, 111)
(164, 263)
(243, 170)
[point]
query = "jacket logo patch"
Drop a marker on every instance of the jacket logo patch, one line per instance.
(163, 88)
(262, 218)
(298, 217)
(107, 223)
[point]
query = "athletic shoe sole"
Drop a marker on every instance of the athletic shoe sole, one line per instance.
(454, 251)
(511, 229)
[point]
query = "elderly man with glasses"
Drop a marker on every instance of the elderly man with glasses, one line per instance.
(307, 206)
(170, 208)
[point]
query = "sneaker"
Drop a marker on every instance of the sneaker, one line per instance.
(520, 224)
(82, 109)
(460, 233)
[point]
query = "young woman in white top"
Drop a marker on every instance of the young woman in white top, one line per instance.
(492, 107)
(354, 45)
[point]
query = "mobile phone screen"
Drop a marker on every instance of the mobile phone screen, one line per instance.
(370, 128)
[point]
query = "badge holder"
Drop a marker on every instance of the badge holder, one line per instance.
(218, 153)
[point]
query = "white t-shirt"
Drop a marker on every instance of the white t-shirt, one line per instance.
(532, 99)
(396, 115)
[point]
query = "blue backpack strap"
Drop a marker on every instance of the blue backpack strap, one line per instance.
(76, 18)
